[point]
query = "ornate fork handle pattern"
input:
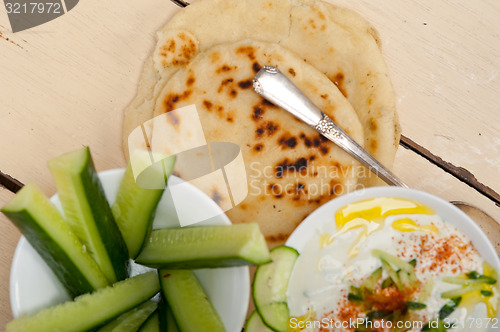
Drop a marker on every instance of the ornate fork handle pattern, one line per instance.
(271, 84)
(327, 128)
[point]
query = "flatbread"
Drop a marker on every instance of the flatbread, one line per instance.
(290, 168)
(337, 41)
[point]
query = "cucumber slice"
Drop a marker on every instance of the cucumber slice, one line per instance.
(135, 207)
(152, 324)
(270, 285)
(88, 212)
(189, 303)
(205, 247)
(89, 311)
(254, 324)
(131, 320)
(50, 235)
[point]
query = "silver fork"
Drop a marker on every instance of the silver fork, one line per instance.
(271, 84)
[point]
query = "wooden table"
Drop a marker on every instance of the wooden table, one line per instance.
(65, 83)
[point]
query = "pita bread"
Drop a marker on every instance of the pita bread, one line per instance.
(290, 168)
(337, 41)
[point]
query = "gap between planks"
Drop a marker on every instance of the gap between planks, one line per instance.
(458, 172)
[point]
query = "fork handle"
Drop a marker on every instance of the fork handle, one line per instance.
(271, 84)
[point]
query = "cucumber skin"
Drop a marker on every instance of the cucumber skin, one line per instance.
(131, 320)
(83, 315)
(255, 324)
(100, 209)
(181, 286)
(108, 229)
(63, 267)
(172, 247)
(166, 318)
(151, 324)
(68, 273)
(124, 207)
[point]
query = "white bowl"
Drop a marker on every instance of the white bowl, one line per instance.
(34, 286)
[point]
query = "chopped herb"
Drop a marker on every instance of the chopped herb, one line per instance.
(354, 298)
(355, 294)
(487, 280)
(377, 314)
(473, 275)
(413, 262)
(486, 293)
(449, 307)
(415, 305)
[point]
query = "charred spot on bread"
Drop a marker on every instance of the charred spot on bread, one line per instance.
(338, 80)
(172, 118)
(287, 141)
(223, 69)
(207, 104)
(258, 111)
(270, 128)
(249, 51)
(216, 197)
(258, 147)
(172, 99)
(245, 84)
(256, 67)
(190, 81)
(299, 165)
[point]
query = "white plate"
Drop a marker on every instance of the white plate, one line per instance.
(33, 285)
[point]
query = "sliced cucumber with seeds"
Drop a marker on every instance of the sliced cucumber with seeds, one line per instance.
(254, 324)
(88, 212)
(131, 320)
(270, 286)
(188, 301)
(50, 235)
(135, 207)
(89, 311)
(205, 247)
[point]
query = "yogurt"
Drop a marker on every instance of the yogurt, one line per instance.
(338, 259)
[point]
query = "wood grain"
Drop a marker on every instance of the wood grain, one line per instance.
(421, 174)
(68, 82)
(460, 173)
(9, 236)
